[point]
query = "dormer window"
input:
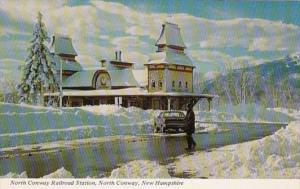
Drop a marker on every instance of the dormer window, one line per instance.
(153, 83)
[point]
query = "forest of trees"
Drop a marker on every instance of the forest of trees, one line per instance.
(271, 84)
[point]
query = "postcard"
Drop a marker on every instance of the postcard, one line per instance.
(147, 94)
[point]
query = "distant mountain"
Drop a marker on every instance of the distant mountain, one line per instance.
(272, 84)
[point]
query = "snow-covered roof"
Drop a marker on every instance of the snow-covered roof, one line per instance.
(122, 77)
(169, 56)
(62, 45)
(66, 64)
(170, 35)
(141, 76)
(84, 78)
(136, 91)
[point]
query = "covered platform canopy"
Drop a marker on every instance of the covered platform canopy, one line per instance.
(141, 97)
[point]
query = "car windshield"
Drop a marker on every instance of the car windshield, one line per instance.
(173, 114)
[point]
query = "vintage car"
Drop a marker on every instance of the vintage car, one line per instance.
(170, 120)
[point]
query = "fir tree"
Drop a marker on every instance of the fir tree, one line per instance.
(39, 72)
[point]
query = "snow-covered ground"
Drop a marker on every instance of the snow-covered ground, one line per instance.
(141, 169)
(24, 125)
(275, 156)
(27, 125)
(60, 173)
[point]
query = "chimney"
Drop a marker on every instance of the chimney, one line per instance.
(116, 53)
(103, 63)
(120, 56)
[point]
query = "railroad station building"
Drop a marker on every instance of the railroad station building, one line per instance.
(166, 82)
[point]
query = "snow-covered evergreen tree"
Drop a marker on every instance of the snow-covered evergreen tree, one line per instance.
(39, 72)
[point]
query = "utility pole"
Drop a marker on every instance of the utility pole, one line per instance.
(60, 88)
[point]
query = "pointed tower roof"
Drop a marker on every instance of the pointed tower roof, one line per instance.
(170, 36)
(62, 45)
(170, 48)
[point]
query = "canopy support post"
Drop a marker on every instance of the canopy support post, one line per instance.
(169, 104)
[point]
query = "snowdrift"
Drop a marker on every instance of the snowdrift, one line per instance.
(242, 113)
(60, 173)
(275, 156)
(141, 169)
(24, 125)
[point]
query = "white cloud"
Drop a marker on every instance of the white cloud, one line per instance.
(137, 23)
(91, 53)
(224, 61)
(88, 61)
(91, 20)
(9, 68)
(89, 25)
(242, 32)
(209, 56)
(289, 41)
(139, 59)
(105, 37)
(252, 34)
(27, 10)
(128, 41)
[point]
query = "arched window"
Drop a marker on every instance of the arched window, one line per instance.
(179, 85)
(186, 84)
(173, 84)
(102, 81)
(153, 83)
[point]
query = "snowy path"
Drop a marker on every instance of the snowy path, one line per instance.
(98, 156)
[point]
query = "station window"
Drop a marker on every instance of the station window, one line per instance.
(153, 84)
(179, 85)
(173, 84)
(186, 84)
(160, 84)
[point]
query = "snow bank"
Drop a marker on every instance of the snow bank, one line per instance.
(241, 113)
(140, 169)
(26, 125)
(60, 173)
(15, 175)
(275, 156)
(103, 109)
(22, 108)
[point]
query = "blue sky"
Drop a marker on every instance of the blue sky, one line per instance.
(219, 34)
